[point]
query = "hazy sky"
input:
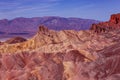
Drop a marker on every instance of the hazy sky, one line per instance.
(89, 9)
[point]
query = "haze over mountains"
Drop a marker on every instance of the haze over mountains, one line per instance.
(28, 26)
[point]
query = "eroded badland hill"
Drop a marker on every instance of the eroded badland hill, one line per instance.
(65, 55)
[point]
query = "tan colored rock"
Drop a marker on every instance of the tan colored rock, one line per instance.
(64, 55)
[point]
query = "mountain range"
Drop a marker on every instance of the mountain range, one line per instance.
(28, 26)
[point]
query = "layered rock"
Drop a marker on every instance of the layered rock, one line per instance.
(50, 41)
(64, 55)
(70, 65)
(1, 43)
(106, 67)
(39, 66)
(112, 24)
(115, 18)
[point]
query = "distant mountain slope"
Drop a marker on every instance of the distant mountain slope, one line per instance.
(27, 25)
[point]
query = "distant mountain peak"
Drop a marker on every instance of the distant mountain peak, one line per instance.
(30, 25)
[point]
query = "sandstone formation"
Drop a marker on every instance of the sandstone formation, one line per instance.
(0, 43)
(39, 66)
(50, 41)
(65, 55)
(115, 18)
(71, 65)
(112, 24)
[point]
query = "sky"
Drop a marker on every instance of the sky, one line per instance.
(88, 9)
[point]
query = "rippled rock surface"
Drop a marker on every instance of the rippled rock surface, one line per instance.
(65, 55)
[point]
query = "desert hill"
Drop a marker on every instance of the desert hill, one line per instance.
(65, 55)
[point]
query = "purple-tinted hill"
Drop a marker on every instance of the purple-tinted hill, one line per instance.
(31, 24)
(26, 27)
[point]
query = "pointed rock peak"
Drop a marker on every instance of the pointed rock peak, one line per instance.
(43, 29)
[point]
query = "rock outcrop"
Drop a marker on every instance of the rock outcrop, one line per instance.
(1, 43)
(112, 24)
(115, 18)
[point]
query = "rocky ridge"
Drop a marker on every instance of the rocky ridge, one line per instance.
(64, 55)
(112, 24)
